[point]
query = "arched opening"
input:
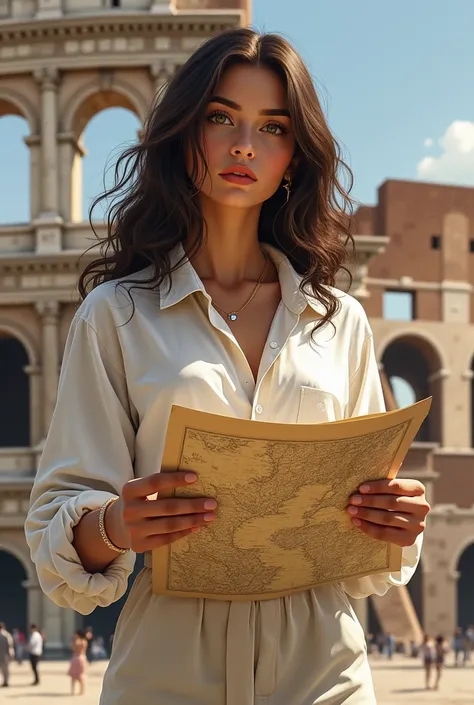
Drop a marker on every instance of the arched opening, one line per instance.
(13, 594)
(413, 369)
(106, 136)
(472, 402)
(465, 569)
(104, 123)
(14, 178)
(415, 590)
(15, 394)
(104, 619)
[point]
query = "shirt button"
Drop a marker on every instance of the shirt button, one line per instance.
(321, 406)
(273, 345)
(259, 408)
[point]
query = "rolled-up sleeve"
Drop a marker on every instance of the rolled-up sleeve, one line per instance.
(87, 458)
(366, 397)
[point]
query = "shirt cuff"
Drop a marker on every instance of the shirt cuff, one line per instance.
(381, 583)
(60, 572)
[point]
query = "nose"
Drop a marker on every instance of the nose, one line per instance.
(243, 150)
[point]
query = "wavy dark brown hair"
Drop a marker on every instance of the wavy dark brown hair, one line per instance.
(155, 201)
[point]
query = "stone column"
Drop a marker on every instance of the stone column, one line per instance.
(46, 9)
(71, 152)
(34, 602)
(456, 395)
(161, 72)
(49, 312)
(163, 7)
(54, 627)
(440, 603)
(438, 383)
(33, 142)
(34, 373)
(366, 248)
(48, 230)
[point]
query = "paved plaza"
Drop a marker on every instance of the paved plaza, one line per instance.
(399, 682)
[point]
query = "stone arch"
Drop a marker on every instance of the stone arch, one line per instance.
(418, 360)
(16, 331)
(14, 103)
(22, 556)
(453, 567)
(18, 404)
(91, 99)
(424, 337)
(14, 591)
(465, 585)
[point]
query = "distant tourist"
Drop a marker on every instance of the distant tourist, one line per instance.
(6, 653)
(441, 649)
(469, 643)
(90, 640)
(19, 643)
(78, 665)
(428, 654)
(390, 645)
(458, 647)
(35, 650)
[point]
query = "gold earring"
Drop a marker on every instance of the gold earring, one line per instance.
(287, 187)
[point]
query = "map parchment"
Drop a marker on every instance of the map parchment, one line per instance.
(282, 491)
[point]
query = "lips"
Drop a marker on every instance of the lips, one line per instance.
(239, 171)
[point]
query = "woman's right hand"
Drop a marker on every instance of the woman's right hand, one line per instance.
(142, 524)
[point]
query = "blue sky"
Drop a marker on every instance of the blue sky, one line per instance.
(396, 81)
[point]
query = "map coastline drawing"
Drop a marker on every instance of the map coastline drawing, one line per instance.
(282, 490)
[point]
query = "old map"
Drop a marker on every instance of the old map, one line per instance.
(281, 524)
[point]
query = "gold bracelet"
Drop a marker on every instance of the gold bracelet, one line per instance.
(102, 530)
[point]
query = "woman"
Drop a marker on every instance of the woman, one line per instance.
(77, 667)
(428, 654)
(215, 292)
(441, 649)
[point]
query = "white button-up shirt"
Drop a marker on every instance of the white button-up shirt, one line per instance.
(120, 376)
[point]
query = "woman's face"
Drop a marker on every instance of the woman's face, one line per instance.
(247, 138)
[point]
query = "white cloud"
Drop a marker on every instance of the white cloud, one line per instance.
(455, 164)
(428, 142)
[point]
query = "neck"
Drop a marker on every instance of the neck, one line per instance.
(231, 252)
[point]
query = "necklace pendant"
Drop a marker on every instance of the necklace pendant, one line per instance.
(233, 316)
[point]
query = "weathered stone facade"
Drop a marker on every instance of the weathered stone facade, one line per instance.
(61, 62)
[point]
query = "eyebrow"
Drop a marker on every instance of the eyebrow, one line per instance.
(236, 106)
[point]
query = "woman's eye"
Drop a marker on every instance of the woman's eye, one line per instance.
(219, 119)
(273, 128)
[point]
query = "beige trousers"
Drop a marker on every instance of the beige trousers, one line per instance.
(305, 649)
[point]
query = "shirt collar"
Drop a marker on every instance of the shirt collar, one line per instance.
(185, 281)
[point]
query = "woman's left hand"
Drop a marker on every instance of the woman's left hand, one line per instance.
(390, 510)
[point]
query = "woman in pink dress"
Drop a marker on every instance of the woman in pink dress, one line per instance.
(77, 667)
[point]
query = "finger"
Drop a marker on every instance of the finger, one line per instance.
(142, 487)
(171, 524)
(382, 517)
(385, 533)
(172, 506)
(390, 502)
(149, 543)
(398, 485)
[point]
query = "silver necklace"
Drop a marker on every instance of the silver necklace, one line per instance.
(233, 315)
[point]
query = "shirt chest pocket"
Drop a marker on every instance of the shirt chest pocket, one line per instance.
(318, 406)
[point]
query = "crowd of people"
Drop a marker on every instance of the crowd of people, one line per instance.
(16, 646)
(432, 651)
(86, 647)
